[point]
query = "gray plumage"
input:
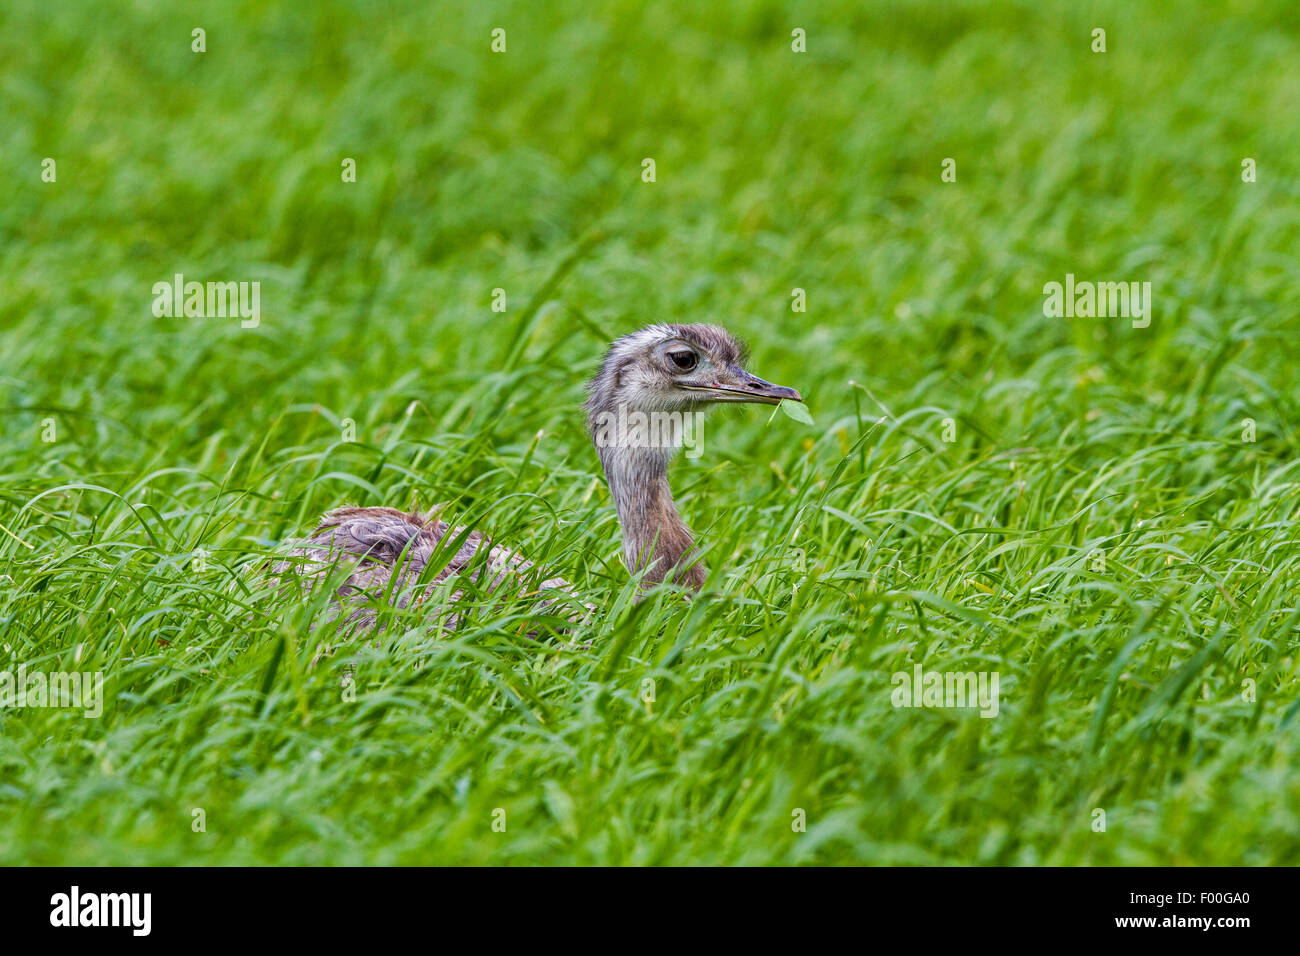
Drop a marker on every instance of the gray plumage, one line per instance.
(663, 370)
(669, 371)
(375, 542)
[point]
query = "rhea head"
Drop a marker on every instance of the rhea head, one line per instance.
(664, 372)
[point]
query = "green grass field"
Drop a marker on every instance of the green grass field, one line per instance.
(1103, 515)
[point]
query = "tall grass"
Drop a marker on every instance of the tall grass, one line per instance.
(1100, 531)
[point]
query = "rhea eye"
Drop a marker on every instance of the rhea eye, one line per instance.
(683, 360)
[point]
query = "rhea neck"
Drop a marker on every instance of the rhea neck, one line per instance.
(655, 538)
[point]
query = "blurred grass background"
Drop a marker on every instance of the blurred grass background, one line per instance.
(1122, 689)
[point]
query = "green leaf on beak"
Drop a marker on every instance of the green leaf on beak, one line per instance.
(798, 411)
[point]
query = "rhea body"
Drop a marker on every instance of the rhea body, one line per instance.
(638, 414)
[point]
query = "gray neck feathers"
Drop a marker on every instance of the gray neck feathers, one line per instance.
(655, 538)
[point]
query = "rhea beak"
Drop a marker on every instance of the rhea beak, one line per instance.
(737, 385)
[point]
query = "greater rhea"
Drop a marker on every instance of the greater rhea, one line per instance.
(642, 405)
